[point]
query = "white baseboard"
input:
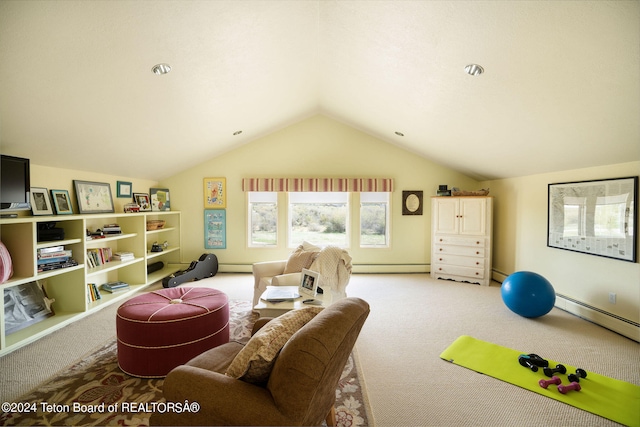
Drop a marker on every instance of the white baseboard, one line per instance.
(603, 318)
(356, 268)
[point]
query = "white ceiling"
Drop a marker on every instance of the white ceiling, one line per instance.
(561, 88)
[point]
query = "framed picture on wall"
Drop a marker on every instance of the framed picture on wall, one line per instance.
(596, 217)
(215, 193)
(215, 228)
(124, 189)
(412, 202)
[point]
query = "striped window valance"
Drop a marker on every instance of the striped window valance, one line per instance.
(318, 184)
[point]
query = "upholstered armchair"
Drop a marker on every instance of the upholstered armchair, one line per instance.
(332, 263)
(300, 387)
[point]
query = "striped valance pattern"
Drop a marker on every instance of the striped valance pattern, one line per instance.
(318, 184)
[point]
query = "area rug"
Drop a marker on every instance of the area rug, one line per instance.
(607, 397)
(95, 392)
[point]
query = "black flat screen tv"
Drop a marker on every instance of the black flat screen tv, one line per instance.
(15, 184)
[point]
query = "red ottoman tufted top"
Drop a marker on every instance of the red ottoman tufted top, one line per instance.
(169, 327)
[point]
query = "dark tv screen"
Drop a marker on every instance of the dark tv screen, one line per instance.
(14, 183)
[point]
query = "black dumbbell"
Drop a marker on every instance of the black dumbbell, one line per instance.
(559, 369)
(580, 373)
(532, 361)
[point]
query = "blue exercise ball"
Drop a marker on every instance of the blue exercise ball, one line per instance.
(528, 294)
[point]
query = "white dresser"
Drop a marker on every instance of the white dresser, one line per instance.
(461, 238)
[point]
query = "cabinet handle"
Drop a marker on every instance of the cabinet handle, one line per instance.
(440, 249)
(440, 269)
(477, 253)
(477, 263)
(441, 240)
(477, 273)
(477, 243)
(439, 259)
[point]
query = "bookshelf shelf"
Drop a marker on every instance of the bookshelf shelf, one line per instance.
(69, 285)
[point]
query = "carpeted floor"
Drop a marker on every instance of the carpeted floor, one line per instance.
(413, 320)
(95, 392)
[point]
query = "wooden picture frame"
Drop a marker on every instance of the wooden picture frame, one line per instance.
(61, 202)
(123, 189)
(309, 282)
(160, 200)
(215, 193)
(215, 229)
(40, 203)
(598, 217)
(143, 200)
(412, 202)
(93, 197)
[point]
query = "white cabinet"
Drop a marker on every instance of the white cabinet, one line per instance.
(461, 239)
(69, 286)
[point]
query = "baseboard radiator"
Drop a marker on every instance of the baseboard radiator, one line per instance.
(357, 268)
(600, 317)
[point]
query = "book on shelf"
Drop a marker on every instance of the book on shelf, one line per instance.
(50, 249)
(92, 292)
(98, 256)
(56, 265)
(123, 256)
(113, 287)
(111, 229)
(57, 254)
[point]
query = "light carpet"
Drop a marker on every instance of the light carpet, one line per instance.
(94, 391)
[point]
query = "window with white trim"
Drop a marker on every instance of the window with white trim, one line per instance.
(263, 218)
(321, 218)
(374, 220)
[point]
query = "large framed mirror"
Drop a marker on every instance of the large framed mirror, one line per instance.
(594, 217)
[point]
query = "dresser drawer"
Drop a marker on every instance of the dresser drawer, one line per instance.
(443, 269)
(458, 250)
(460, 241)
(462, 261)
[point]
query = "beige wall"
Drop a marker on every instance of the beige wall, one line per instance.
(520, 243)
(62, 179)
(315, 147)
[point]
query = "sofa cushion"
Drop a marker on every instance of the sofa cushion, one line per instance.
(302, 257)
(254, 362)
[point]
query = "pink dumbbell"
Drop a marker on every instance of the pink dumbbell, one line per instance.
(546, 383)
(564, 389)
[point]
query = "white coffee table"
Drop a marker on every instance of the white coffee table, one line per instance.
(275, 309)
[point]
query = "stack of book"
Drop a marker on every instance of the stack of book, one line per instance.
(115, 287)
(98, 256)
(123, 256)
(53, 258)
(111, 229)
(93, 294)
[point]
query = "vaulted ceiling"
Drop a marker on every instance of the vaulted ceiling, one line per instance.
(561, 87)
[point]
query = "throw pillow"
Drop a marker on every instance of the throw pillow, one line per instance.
(6, 266)
(254, 362)
(302, 257)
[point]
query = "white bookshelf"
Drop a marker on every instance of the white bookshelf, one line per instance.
(68, 286)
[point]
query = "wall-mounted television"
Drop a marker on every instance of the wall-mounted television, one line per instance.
(15, 184)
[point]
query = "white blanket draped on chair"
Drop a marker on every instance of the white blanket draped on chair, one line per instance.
(334, 266)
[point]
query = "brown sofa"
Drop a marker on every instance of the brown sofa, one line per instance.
(300, 389)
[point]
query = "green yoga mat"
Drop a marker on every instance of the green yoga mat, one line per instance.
(607, 397)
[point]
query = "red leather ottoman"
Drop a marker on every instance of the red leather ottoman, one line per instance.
(160, 330)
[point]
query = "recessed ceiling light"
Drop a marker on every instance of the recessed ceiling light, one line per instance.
(238, 132)
(161, 69)
(399, 133)
(474, 69)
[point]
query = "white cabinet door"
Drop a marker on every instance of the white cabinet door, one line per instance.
(473, 217)
(445, 216)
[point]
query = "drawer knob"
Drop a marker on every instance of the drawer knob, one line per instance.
(477, 243)
(440, 269)
(477, 273)
(477, 263)
(441, 240)
(477, 253)
(439, 259)
(440, 249)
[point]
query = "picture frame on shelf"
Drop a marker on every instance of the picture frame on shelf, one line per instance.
(61, 202)
(142, 199)
(309, 282)
(123, 189)
(93, 197)
(597, 217)
(215, 193)
(40, 203)
(215, 229)
(160, 199)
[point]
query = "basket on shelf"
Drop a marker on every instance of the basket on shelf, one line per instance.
(483, 192)
(155, 224)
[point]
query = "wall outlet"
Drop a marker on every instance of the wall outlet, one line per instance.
(612, 297)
